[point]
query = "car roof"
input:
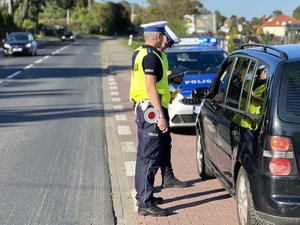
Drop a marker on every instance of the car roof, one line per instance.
(26, 33)
(284, 52)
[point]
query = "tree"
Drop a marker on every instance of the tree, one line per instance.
(219, 19)
(276, 13)
(296, 13)
(173, 11)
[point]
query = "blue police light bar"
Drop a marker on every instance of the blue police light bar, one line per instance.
(198, 41)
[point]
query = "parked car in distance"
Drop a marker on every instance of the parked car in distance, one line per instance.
(198, 60)
(68, 36)
(248, 132)
(20, 43)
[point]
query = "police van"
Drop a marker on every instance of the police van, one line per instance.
(197, 59)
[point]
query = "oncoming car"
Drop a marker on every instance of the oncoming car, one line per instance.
(248, 132)
(198, 60)
(68, 36)
(20, 43)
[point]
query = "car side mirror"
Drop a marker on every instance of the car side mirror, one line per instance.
(200, 93)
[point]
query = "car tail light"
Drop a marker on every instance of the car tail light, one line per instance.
(280, 157)
(280, 166)
(280, 143)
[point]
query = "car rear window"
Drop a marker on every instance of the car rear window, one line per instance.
(290, 95)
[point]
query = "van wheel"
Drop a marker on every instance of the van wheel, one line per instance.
(245, 207)
(204, 170)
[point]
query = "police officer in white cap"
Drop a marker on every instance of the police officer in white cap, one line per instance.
(168, 178)
(149, 89)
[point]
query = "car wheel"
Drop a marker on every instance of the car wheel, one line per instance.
(245, 207)
(204, 170)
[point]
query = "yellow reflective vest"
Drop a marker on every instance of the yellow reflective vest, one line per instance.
(254, 107)
(138, 89)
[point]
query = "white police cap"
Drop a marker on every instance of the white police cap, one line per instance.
(158, 26)
(261, 67)
(171, 36)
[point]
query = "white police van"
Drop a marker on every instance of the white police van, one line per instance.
(198, 59)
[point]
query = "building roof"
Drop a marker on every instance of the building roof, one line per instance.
(280, 21)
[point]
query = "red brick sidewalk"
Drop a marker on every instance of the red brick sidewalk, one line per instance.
(205, 202)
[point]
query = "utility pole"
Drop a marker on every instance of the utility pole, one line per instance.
(132, 13)
(9, 5)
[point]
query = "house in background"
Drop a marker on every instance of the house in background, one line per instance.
(279, 26)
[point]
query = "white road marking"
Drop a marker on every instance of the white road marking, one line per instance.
(129, 168)
(124, 130)
(29, 66)
(118, 107)
(116, 100)
(38, 61)
(111, 79)
(14, 74)
(128, 146)
(113, 88)
(121, 117)
(112, 83)
(133, 194)
(114, 93)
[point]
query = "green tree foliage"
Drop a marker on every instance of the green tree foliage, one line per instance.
(219, 19)
(113, 19)
(65, 4)
(276, 13)
(53, 15)
(231, 46)
(296, 13)
(173, 11)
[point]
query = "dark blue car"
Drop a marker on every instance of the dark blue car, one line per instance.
(20, 43)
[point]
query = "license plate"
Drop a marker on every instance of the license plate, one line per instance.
(17, 49)
(196, 109)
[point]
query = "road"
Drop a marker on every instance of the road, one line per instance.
(53, 154)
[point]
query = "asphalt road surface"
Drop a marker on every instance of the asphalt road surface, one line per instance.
(53, 155)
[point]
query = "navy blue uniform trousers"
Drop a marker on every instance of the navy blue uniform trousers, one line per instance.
(149, 158)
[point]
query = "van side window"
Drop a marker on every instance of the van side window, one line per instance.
(223, 82)
(247, 86)
(236, 82)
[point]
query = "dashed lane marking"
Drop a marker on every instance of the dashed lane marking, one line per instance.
(14, 74)
(113, 88)
(124, 130)
(114, 93)
(116, 100)
(129, 168)
(112, 83)
(118, 108)
(121, 117)
(128, 146)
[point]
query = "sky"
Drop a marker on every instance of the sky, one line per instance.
(240, 8)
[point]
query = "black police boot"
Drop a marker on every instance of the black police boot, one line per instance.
(174, 183)
(158, 200)
(153, 211)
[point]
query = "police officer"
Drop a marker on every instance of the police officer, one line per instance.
(257, 95)
(168, 178)
(149, 90)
